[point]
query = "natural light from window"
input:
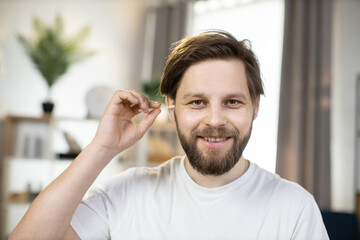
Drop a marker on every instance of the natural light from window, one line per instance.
(261, 22)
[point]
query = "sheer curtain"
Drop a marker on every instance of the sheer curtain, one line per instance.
(303, 153)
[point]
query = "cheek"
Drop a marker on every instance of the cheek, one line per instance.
(187, 120)
(241, 121)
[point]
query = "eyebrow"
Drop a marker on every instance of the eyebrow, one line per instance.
(192, 95)
(201, 95)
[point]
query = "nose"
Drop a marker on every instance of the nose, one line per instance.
(215, 116)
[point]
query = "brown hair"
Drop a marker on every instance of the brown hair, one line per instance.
(210, 45)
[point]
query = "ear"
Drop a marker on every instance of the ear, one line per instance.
(256, 107)
(169, 102)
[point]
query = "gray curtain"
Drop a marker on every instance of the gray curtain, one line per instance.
(2, 179)
(303, 153)
(170, 27)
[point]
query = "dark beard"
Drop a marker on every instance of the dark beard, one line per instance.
(213, 162)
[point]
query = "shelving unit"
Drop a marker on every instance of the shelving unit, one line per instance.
(31, 158)
(32, 146)
(19, 129)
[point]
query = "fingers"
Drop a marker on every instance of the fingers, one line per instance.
(132, 99)
(121, 97)
(144, 103)
(154, 104)
(148, 120)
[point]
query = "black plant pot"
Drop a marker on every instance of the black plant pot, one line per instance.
(48, 107)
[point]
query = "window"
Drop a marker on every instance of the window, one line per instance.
(261, 22)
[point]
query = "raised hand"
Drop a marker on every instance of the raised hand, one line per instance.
(116, 130)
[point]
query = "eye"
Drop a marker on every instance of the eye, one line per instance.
(197, 103)
(233, 103)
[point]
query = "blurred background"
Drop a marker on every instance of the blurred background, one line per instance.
(308, 128)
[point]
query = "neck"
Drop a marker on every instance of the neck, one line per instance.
(217, 181)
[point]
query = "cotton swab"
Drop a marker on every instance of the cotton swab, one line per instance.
(164, 107)
(170, 106)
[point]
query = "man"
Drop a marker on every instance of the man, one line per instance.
(213, 192)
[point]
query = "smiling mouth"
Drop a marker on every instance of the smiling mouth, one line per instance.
(215, 139)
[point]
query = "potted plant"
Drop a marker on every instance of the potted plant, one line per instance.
(152, 89)
(52, 54)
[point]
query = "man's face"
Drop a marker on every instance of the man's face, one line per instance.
(214, 114)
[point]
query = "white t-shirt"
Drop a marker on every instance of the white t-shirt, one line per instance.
(165, 203)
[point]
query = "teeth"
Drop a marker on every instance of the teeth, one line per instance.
(214, 139)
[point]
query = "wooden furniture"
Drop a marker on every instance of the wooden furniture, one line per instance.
(162, 142)
(32, 146)
(11, 123)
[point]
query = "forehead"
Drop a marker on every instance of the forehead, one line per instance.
(215, 78)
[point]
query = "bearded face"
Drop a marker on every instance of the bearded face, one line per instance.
(214, 112)
(213, 161)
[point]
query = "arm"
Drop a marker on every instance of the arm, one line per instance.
(50, 214)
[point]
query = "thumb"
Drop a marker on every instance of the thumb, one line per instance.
(148, 120)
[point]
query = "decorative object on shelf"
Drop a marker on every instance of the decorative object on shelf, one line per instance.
(32, 146)
(52, 54)
(48, 106)
(74, 147)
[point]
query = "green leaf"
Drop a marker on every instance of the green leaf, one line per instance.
(38, 27)
(59, 25)
(50, 52)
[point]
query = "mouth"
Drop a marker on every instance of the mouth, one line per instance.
(215, 139)
(214, 142)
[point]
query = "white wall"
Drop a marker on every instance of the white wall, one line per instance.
(113, 24)
(346, 66)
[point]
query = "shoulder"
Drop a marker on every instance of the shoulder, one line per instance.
(285, 197)
(291, 203)
(283, 189)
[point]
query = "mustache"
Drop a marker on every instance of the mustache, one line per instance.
(220, 132)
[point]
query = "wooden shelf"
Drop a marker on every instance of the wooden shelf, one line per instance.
(10, 125)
